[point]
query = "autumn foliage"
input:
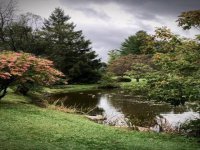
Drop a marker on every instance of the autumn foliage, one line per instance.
(123, 64)
(23, 67)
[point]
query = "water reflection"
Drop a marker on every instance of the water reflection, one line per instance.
(113, 115)
(117, 106)
(175, 120)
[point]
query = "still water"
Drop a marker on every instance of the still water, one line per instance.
(121, 108)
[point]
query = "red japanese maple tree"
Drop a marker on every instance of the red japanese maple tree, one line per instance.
(19, 67)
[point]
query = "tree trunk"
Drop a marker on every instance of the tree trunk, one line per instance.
(137, 79)
(22, 89)
(3, 92)
(4, 85)
(182, 99)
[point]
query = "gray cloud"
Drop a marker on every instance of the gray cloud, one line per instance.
(155, 6)
(93, 13)
(143, 9)
(107, 38)
(149, 9)
(158, 11)
(108, 22)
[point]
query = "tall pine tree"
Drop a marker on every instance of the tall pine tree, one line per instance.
(69, 49)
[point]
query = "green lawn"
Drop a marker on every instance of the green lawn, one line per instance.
(69, 88)
(25, 126)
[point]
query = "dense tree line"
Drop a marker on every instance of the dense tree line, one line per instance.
(169, 63)
(55, 38)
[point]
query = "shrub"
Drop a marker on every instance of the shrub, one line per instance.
(108, 82)
(192, 128)
(123, 79)
(140, 88)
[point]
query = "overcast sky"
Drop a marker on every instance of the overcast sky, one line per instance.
(108, 22)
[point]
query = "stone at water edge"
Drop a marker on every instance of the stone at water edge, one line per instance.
(142, 129)
(156, 128)
(95, 118)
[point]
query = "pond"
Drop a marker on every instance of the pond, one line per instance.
(122, 108)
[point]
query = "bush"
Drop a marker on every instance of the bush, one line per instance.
(192, 128)
(140, 88)
(107, 82)
(123, 79)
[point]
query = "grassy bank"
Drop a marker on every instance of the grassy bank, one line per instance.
(25, 126)
(68, 88)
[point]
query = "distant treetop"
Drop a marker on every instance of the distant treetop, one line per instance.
(189, 19)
